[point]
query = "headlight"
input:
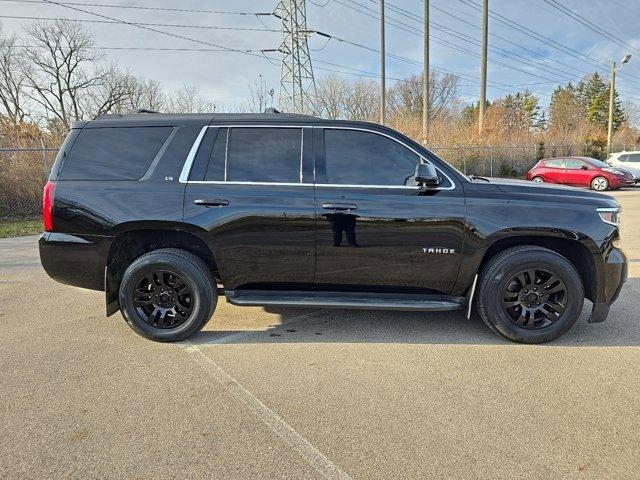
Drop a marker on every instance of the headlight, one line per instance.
(610, 215)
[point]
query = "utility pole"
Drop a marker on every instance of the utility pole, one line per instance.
(297, 83)
(612, 90)
(383, 93)
(612, 87)
(425, 74)
(483, 64)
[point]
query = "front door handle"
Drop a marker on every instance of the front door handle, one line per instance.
(212, 202)
(339, 206)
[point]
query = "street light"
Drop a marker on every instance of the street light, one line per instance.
(612, 87)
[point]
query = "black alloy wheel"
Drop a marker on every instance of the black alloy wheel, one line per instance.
(529, 294)
(163, 299)
(534, 298)
(167, 295)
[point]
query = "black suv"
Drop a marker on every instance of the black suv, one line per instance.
(166, 212)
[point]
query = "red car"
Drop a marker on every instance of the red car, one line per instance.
(580, 172)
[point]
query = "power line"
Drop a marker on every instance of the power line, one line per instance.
(136, 7)
(408, 28)
(498, 50)
(174, 25)
(590, 25)
(151, 29)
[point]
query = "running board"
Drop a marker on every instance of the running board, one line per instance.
(355, 300)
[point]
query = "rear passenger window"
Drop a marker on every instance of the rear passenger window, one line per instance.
(122, 153)
(634, 158)
(554, 163)
(263, 155)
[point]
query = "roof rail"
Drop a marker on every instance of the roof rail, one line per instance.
(144, 110)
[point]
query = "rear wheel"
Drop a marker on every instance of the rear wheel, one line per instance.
(600, 184)
(167, 295)
(538, 179)
(530, 294)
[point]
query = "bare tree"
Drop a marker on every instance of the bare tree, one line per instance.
(261, 97)
(405, 97)
(331, 92)
(113, 94)
(362, 101)
(60, 68)
(189, 100)
(12, 80)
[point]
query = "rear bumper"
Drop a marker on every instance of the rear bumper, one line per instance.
(615, 274)
(75, 260)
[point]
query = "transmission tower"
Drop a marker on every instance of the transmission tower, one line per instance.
(297, 84)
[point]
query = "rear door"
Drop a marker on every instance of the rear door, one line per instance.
(554, 170)
(376, 229)
(250, 196)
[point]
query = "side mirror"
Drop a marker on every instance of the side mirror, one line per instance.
(427, 175)
(584, 167)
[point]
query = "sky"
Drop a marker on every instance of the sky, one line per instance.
(516, 60)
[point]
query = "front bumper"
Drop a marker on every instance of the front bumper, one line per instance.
(615, 274)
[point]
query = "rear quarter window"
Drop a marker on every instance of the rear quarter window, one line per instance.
(120, 153)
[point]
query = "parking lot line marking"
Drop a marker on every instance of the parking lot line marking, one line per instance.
(240, 335)
(276, 424)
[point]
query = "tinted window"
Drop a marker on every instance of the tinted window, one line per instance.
(264, 155)
(363, 158)
(215, 170)
(623, 158)
(634, 157)
(573, 164)
(113, 153)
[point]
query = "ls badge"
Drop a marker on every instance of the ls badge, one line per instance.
(438, 250)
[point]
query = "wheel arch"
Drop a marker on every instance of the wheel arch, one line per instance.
(131, 244)
(573, 250)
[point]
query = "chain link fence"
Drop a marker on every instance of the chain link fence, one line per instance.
(23, 173)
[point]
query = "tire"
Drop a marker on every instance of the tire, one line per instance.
(600, 184)
(537, 179)
(154, 309)
(509, 272)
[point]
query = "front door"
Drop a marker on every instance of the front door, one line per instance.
(248, 197)
(577, 172)
(376, 229)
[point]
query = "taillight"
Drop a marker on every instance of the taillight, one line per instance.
(47, 206)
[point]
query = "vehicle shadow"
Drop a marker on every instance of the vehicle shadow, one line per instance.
(622, 328)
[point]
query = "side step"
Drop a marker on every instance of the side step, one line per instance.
(355, 300)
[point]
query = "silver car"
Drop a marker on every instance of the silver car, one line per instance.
(629, 161)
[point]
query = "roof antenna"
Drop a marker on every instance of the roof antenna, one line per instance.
(271, 110)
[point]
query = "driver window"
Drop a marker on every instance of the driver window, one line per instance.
(354, 157)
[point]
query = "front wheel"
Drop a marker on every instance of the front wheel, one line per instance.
(538, 179)
(600, 184)
(167, 295)
(530, 294)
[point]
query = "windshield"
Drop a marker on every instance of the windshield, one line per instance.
(597, 163)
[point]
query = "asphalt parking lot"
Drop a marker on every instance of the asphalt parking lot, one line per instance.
(311, 394)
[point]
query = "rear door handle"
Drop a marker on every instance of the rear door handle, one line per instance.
(339, 206)
(212, 202)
